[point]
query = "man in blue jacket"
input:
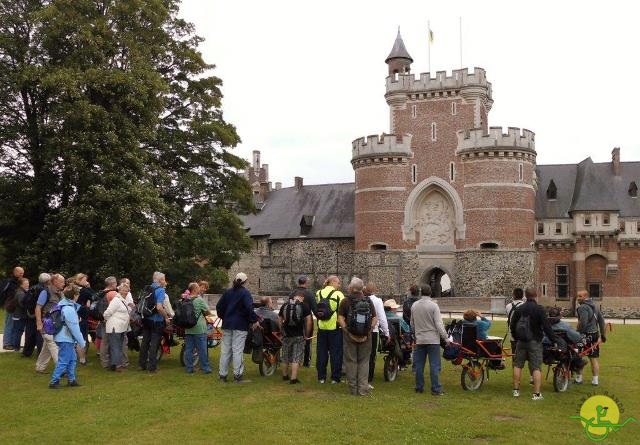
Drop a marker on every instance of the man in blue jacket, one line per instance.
(235, 308)
(67, 338)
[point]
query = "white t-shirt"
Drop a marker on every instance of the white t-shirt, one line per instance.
(382, 318)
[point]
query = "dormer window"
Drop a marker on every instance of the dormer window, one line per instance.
(306, 223)
(587, 220)
(606, 220)
(552, 191)
(633, 189)
(540, 228)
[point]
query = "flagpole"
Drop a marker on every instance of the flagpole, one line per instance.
(429, 46)
(461, 66)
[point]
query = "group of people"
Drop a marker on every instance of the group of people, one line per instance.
(348, 328)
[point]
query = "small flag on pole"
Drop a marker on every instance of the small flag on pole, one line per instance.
(430, 35)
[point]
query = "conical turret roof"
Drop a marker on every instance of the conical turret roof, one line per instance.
(398, 51)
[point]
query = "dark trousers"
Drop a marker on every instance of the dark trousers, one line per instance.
(307, 349)
(32, 338)
(372, 357)
(329, 346)
(151, 334)
(17, 331)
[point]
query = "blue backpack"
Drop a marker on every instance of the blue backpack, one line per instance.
(54, 321)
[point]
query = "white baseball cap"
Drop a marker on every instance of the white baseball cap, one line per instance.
(242, 277)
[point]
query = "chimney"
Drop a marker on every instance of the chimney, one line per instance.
(256, 159)
(615, 161)
(264, 191)
(298, 182)
(269, 187)
(278, 185)
(266, 172)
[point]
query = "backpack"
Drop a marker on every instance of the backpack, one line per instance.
(53, 321)
(30, 299)
(523, 329)
(293, 314)
(11, 303)
(514, 306)
(147, 302)
(5, 292)
(323, 308)
(99, 304)
(360, 317)
(185, 314)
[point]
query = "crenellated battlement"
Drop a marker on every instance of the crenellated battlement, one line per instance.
(385, 145)
(408, 83)
(477, 139)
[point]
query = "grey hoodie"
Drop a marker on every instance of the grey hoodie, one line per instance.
(589, 318)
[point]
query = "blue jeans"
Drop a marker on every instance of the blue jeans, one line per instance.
(8, 330)
(17, 331)
(67, 361)
(199, 343)
(420, 355)
(233, 341)
(329, 346)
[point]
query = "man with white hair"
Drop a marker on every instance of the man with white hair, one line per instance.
(47, 299)
(153, 326)
(357, 317)
(32, 337)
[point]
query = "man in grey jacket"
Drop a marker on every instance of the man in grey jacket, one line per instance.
(591, 325)
(426, 323)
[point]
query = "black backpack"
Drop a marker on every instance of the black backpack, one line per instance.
(523, 329)
(293, 314)
(147, 302)
(323, 309)
(99, 304)
(185, 314)
(30, 299)
(7, 289)
(360, 317)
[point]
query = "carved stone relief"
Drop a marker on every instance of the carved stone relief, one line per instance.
(434, 220)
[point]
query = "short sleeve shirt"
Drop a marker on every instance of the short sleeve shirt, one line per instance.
(298, 330)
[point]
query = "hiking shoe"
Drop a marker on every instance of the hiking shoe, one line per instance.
(537, 397)
(516, 393)
(238, 379)
(576, 382)
(223, 378)
(370, 386)
(8, 348)
(419, 391)
(55, 385)
(285, 377)
(294, 381)
(335, 382)
(73, 383)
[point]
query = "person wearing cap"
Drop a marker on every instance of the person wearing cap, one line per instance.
(310, 301)
(390, 308)
(235, 308)
(370, 291)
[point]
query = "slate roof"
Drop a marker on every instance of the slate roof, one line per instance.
(587, 186)
(331, 205)
(399, 51)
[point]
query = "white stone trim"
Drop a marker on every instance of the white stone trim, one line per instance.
(493, 209)
(499, 184)
(408, 232)
(379, 211)
(381, 189)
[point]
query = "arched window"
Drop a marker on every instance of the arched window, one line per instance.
(552, 190)
(434, 132)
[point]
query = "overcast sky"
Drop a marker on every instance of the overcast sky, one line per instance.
(302, 79)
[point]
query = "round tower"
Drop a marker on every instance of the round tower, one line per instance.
(499, 201)
(399, 60)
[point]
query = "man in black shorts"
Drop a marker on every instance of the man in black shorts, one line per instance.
(529, 341)
(591, 325)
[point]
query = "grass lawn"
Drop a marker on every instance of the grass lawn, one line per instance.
(173, 407)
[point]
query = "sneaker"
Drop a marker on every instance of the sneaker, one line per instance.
(321, 381)
(41, 371)
(577, 382)
(55, 385)
(437, 393)
(8, 348)
(537, 397)
(419, 391)
(370, 386)
(335, 382)
(285, 377)
(294, 381)
(239, 379)
(73, 383)
(594, 384)
(516, 393)
(222, 378)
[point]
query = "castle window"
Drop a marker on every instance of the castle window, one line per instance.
(633, 189)
(552, 190)
(605, 220)
(622, 227)
(378, 246)
(454, 108)
(558, 228)
(543, 289)
(414, 111)
(562, 281)
(488, 245)
(587, 220)
(638, 226)
(595, 241)
(520, 172)
(452, 172)
(540, 228)
(434, 132)
(414, 173)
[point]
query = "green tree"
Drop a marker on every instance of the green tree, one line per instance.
(115, 152)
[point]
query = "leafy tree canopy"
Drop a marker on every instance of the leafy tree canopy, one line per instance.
(115, 153)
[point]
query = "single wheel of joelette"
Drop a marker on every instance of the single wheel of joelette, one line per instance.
(472, 376)
(391, 368)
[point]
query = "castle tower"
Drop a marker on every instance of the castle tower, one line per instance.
(421, 190)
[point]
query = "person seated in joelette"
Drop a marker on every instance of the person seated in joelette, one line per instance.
(482, 324)
(390, 308)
